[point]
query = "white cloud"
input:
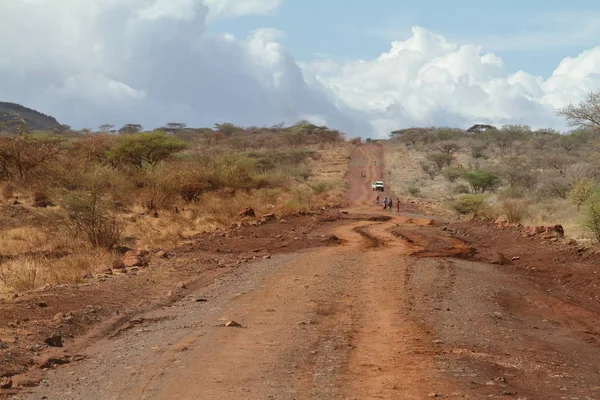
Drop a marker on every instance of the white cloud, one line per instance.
(151, 62)
(120, 61)
(236, 8)
(426, 80)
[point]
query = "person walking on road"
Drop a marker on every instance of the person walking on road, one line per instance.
(397, 204)
(390, 203)
(385, 202)
(377, 199)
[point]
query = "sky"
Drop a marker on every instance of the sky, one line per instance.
(365, 67)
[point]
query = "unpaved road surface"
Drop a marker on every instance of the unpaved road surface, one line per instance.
(397, 309)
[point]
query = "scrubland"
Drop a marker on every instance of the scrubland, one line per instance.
(69, 199)
(531, 177)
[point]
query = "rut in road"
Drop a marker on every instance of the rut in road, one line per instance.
(325, 323)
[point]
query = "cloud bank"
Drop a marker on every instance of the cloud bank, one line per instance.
(151, 62)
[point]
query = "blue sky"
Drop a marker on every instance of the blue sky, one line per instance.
(528, 35)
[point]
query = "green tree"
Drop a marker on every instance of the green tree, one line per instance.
(582, 192)
(144, 148)
(592, 218)
(131, 128)
(228, 128)
(481, 180)
(441, 160)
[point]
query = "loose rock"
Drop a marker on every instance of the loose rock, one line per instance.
(6, 383)
(54, 341)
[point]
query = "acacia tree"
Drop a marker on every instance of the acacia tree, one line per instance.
(150, 148)
(585, 115)
(174, 127)
(105, 128)
(131, 128)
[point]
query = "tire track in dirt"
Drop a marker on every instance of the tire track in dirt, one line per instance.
(331, 323)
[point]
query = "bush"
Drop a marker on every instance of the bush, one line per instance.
(88, 216)
(481, 180)
(592, 218)
(320, 187)
(582, 192)
(515, 210)
(414, 191)
(478, 151)
(465, 204)
(452, 174)
(139, 149)
(517, 192)
(430, 169)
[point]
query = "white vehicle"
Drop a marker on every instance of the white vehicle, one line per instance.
(377, 185)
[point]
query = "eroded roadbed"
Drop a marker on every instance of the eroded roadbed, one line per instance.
(351, 321)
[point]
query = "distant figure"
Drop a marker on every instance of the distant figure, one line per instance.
(397, 204)
(377, 199)
(390, 204)
(385, 202)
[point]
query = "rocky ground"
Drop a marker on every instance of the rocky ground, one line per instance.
(358, 303)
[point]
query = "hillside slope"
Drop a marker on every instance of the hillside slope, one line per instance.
(35, 119)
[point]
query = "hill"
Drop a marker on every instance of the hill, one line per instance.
(35, 119)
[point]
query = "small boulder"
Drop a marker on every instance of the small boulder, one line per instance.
(118, 265)
(500, 259)
(247, 212)
(121, 250)
(6, 383)
(54, 341)
(135, 258)
(556, 230)
(268, 217)
(59, 317)
(161, 254)
(43, 203)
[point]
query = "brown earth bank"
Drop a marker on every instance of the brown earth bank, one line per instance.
(351, 304)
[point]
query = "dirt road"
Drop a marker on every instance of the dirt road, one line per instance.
(395, 311)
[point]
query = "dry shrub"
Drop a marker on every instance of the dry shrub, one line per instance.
(22, 274)
(8, 190)
(89, 218)
(28, 273)
(515, 210)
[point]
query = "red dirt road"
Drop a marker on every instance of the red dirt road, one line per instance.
(397, 308)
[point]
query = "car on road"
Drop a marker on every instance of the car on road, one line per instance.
(377, 186)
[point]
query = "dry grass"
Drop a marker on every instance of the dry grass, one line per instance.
(26, 273)
(24, 239)
(33, 243)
